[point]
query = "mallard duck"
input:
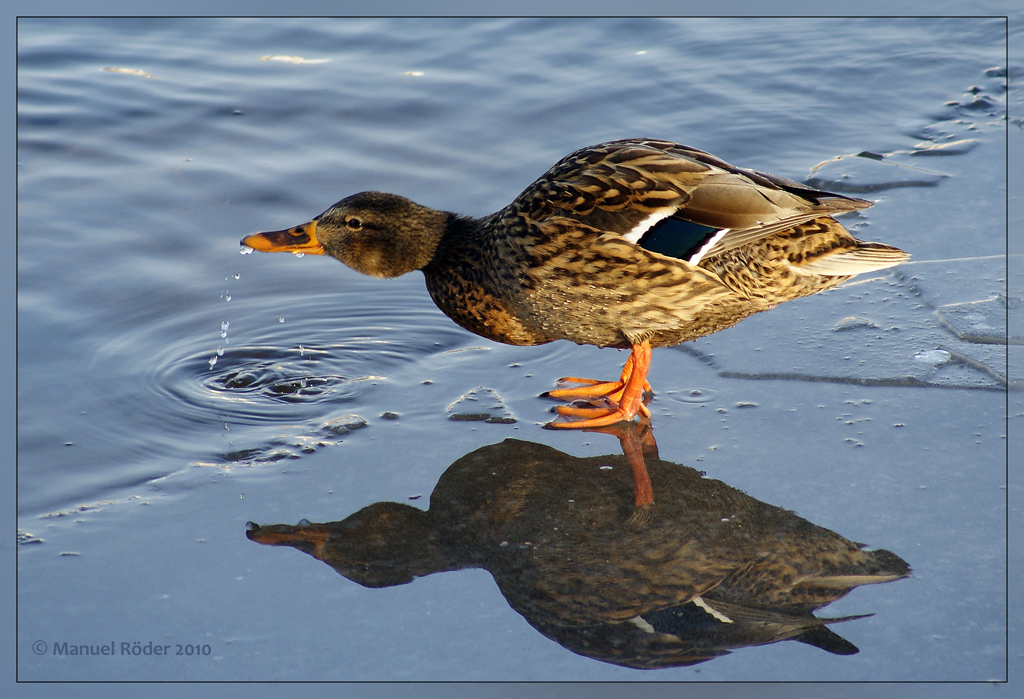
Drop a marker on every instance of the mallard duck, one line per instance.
(631, 244)
(710, 570)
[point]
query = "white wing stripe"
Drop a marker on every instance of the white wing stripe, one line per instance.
(713, 612)
(694, 259)
(637, 233)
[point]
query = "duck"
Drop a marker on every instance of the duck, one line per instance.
(632, 244)
(710, 570)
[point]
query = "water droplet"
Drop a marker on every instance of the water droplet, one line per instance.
(236, 275)
(220, 351)
(245, 250)
(213, 360)
(303, 522)
(280, 319)
(224, 328)
(302, 351)
(227, 296)
(299, 254)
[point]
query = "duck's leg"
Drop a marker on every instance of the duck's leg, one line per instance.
(637, 442)
(643, 491)
(625, 396)
(592, 388)
(609, 401)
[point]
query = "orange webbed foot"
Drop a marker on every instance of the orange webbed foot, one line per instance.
(622, 399)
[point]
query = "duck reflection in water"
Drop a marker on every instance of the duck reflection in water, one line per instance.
(703, 570)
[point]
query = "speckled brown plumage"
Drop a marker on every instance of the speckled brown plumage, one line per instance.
(588, 252)
(561, 538)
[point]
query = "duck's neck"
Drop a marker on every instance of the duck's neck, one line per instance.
(461, 234)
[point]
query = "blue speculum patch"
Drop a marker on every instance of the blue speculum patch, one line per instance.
(677, 238)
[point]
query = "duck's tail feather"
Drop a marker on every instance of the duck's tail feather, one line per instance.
(866, 257)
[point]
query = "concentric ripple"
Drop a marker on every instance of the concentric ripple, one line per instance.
(269, 372)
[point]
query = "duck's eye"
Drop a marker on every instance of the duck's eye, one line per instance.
(354, 224)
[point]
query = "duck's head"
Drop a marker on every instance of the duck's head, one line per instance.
(383, 235)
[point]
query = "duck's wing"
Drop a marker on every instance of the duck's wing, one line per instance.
(673, 199)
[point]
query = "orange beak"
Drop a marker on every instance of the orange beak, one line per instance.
(300, 239)
(309, 538)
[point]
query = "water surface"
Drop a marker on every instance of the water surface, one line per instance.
(170, 389)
